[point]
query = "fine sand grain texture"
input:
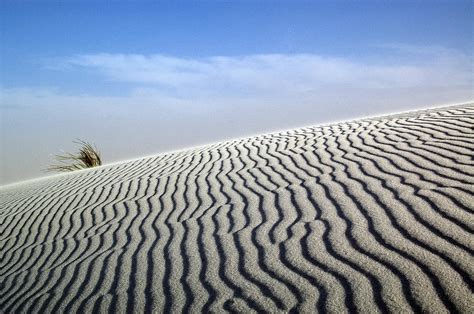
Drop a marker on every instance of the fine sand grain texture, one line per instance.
(373, 215)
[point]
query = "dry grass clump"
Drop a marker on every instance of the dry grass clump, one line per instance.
(87, 157)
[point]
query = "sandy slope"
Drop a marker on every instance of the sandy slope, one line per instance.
(373, 215)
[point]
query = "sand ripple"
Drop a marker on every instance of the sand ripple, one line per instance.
(373, 215)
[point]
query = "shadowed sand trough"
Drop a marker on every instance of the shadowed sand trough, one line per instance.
(372, 215)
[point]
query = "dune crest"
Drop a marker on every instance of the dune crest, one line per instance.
(372, 215)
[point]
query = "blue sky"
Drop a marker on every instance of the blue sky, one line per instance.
(35, 31)
(197, 72)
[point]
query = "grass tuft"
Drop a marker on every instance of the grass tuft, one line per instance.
(87, 157)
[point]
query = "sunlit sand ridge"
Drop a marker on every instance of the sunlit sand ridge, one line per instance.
(372, 215)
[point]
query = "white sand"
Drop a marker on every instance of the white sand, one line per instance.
(372, 215)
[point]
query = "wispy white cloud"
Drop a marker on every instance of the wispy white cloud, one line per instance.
(281, 73)
(265, 78)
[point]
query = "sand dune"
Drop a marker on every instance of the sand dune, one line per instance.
(373, 215)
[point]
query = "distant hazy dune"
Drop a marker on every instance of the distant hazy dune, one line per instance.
(372, 215)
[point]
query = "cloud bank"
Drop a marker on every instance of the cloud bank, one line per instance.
(280, 72)
(156, 79)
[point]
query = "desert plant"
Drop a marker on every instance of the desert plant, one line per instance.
(87, 157)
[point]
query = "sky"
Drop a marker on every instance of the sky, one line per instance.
(140, 78)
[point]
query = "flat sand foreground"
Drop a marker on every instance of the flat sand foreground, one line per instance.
(372, 215)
